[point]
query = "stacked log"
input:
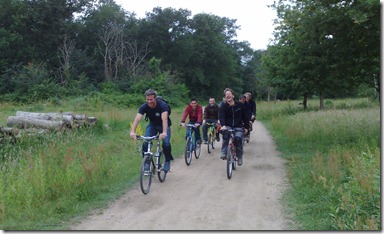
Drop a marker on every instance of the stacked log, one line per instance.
(51, 121)
(42, 122)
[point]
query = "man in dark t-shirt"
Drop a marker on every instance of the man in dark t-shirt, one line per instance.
(159, 122)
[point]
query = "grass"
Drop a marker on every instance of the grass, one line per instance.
(46, 180)
(333, 164)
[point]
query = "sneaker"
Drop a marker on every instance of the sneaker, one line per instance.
(205, 142)
(218, 138)
(198, 142)
(167, 166)
(223, 156)
(240, 161)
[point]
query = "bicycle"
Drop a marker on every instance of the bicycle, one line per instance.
(151, 163)
(211, 135)
(190, 145)
(247, 136)
(231, 153)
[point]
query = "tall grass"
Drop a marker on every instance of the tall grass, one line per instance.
(48, 180)
(333, 162)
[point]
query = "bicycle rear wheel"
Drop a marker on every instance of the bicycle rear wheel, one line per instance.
(146, 175)
(160, 170)
(188, 152)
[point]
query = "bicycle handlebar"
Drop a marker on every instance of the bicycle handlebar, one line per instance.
(227, 130)
(147, 138)
(190, 125)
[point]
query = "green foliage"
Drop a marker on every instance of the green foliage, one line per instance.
(32, 84)
(313, 50)
(333, 162)
(322, 48)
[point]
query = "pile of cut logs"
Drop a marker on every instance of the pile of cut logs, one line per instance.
(43, 122)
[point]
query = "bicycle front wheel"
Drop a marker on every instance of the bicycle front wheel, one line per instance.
(229, 165)
(197, 150)
(188, 152)
(160, 170)
(146, 174)
(209, 142)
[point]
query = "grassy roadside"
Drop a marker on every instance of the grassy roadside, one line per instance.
(48, 179)
(333, 162)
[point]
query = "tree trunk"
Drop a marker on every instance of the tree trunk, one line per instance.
(305, 101)
(321, 101)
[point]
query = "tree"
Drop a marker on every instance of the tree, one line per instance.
(313, 42)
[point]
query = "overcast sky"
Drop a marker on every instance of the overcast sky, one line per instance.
(254, 17)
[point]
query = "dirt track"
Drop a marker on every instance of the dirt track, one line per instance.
(200, 197)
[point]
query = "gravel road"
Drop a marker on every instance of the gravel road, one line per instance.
(200, 196)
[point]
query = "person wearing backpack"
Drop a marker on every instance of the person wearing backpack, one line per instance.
(157, 111)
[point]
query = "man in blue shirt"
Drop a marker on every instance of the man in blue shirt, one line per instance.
(159, 122)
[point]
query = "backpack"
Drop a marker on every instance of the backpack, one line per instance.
(161, 99)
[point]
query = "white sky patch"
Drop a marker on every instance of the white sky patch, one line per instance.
(255, 18)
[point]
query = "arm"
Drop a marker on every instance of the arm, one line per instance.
(222, 116)
(185, 114)
(217, 114)
(244, 117)
(134, 125)
(253, 109)
(199, 114)
(164, 118)
(205, 114)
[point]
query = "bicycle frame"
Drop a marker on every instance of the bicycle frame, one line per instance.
(191, 135)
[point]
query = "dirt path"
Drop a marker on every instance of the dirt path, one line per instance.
(200, 197)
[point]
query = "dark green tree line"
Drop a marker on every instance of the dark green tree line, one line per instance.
(325, 48)
(81, 45)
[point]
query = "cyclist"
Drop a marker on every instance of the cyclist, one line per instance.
(195, 113)
(232, 115)
(251, 112)
(211, 115)
(159, 122)
(242, 99)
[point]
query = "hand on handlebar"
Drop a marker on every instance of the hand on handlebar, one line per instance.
(163, 135)
(133, 136)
